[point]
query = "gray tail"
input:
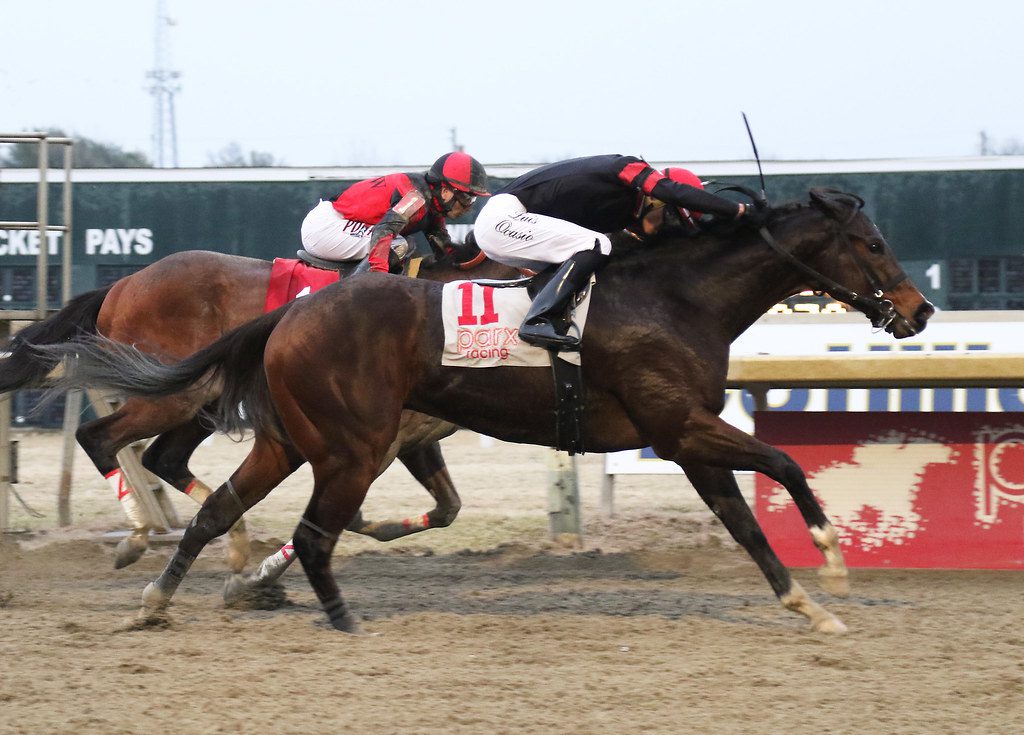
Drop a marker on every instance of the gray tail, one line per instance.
(232, 366)
(23, 366)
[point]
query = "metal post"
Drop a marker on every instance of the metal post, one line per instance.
(42, 212)
(67, 242)
(72, 415)
(608, 494)
(564, 499)
(5, 443)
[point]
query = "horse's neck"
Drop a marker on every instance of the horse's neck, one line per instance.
(730, 282)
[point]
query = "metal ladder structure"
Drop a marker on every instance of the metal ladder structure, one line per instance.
(7, 316)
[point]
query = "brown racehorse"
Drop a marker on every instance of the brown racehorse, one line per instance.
(171, 309)
(654, 373)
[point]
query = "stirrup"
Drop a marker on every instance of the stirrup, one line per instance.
(545, 335)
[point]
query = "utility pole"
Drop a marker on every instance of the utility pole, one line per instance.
(163, 86)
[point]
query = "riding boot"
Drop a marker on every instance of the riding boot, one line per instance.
(548, 320)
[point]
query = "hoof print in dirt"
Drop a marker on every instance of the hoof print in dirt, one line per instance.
(146, 620)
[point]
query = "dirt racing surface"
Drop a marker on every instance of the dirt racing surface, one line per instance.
(658, 624)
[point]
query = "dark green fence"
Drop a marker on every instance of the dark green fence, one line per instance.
(959, 229)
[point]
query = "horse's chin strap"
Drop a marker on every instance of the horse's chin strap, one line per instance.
(880, 310)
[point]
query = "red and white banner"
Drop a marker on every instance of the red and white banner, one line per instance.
(918, 490)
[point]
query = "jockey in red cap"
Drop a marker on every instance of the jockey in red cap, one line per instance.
(370, 218)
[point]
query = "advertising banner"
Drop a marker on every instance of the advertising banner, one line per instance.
(904, 490)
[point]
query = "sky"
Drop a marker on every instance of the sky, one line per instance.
(318, 83)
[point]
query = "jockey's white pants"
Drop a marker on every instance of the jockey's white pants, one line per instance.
(508, 234)
(328, 235)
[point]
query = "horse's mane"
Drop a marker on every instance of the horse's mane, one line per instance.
(710, 240)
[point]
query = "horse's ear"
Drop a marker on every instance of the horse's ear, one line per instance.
(836, 204)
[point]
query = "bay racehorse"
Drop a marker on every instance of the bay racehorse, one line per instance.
(171, 309)
(654, 361)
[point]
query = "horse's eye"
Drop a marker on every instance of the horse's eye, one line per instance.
(876, 247)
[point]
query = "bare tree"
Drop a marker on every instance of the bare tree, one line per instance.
(232, 155)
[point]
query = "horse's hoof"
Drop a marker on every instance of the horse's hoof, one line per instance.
(837, 585)
(831, 624)
(129, 550)
(235, 589)
(153, 598)
(347, 624)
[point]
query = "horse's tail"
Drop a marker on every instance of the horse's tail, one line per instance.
(23, 366)
(231, 368)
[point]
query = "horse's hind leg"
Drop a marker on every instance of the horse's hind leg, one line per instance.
(103, 438)
(338, 491)
(167, 458)
(719, 490)
(427, 465)
(267, 464)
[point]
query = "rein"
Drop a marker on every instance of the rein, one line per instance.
(882, 311)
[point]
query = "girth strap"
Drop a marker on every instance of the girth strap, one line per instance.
(568, 404)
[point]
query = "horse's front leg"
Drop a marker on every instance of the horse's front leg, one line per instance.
(712, 441)
(718, 488)
(167, 457)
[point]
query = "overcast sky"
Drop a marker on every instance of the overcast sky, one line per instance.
(383, 81)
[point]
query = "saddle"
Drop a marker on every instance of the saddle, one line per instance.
(341, 266)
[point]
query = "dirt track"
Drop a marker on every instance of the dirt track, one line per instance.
(659, 625)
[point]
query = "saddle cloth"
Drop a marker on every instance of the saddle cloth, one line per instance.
(291, 279)
(481, 327)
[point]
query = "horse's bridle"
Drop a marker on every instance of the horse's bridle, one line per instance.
(879, 309)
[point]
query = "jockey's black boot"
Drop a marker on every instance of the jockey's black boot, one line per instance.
(547, 322)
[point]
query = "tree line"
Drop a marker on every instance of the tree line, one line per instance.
(89, 153)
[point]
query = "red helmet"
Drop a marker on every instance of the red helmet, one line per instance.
(460, 171)
(685, 176)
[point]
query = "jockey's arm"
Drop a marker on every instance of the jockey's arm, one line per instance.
(637, 174)
(391, 224)
(439, 238)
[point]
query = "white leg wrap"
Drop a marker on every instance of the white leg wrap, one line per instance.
(274, 565)
(129, 500)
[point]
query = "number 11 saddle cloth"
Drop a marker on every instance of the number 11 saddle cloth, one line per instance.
(481, 327)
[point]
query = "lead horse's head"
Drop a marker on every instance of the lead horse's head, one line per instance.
(858, 267)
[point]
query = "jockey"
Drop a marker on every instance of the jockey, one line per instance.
(369, 219)
(559, 213)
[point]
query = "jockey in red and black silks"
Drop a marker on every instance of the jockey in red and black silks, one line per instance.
(560, 213)
(371, 217)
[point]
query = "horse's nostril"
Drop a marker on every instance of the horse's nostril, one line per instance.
(923, 313)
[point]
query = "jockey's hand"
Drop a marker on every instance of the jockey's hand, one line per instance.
(752, 216)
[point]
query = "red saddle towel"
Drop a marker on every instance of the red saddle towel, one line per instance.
(290, 279)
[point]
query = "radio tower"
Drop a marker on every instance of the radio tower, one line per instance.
(164, 84)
